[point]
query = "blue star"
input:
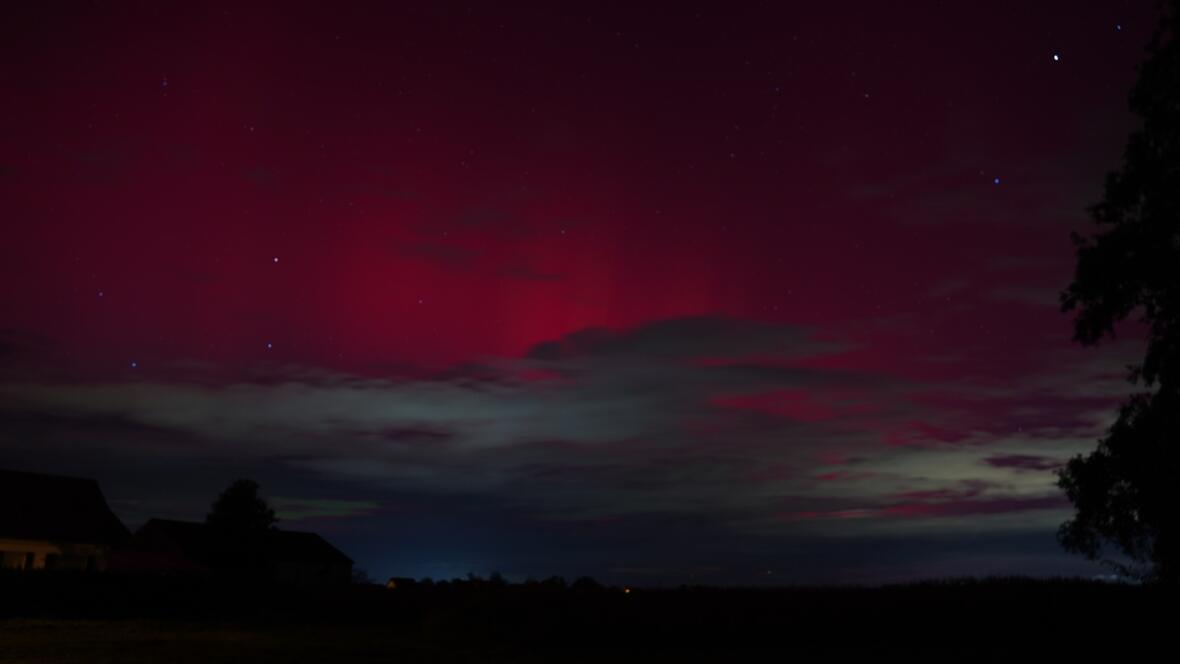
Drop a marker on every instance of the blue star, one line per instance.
(134, 364)
(995, 180)
(269, 345)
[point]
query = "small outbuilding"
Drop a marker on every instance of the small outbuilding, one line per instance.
(283, 556)
(55, 523)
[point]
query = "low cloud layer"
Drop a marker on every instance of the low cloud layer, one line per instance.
(702, 418)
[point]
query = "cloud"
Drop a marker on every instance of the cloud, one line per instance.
(973, 507)
(526, 272)
(703, 337)
(298, 509)
(261, 176)
(449, 254)
(411, 435)
(490, 220)
(704, 417)
(1037, 296)
(103, 165)
(1024, 462)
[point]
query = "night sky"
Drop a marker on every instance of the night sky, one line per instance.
(730, 293)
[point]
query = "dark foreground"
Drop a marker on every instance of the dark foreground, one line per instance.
(95, 619)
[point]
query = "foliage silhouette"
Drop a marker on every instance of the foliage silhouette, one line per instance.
(1126, 492)
(239, 510)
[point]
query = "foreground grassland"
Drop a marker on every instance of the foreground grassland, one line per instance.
(100, 620)
(155, 642)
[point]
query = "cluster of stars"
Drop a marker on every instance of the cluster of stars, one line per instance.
(269, 345)
(164, 83)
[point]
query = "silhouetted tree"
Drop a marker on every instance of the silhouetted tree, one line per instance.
(239, 509)
(586, 584)
(1127, 492)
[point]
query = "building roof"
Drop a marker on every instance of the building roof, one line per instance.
(298, 546)
(203, 542)
(51, 507)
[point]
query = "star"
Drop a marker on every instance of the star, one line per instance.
(995, 180)
(100, 293)
(269, 345)
(275, 259)
(134, 364)
(1056, 57)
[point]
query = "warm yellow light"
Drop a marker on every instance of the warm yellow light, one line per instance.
(626, 591)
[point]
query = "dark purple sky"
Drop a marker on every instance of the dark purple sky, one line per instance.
(748, 293)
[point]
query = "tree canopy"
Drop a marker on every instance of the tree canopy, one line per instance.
(1127, 491)
(239, 509)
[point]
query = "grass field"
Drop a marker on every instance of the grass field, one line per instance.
(108, 620)
(158, 642)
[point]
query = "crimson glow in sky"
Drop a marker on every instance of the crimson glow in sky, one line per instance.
(706, 292)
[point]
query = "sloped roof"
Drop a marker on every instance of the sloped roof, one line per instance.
(51, 507)
(202, 542)
(295, 546)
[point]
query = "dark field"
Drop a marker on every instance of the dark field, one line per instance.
(69, 618)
